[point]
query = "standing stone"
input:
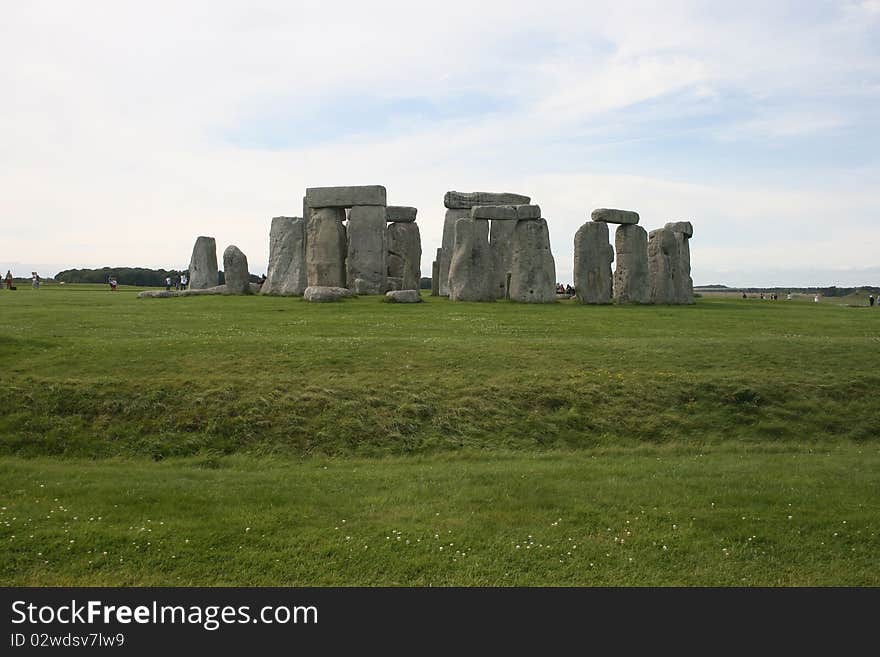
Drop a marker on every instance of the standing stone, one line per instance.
(287, 275)
(663, 254)
(366, 268)
(435, 277)
(325, 247)
(593, 256)
(452, 215)
(235, 270)
(405, 254)
(203, 264)
(632, 283)
(685, 227)
(532, 268)
(470, 272)
(682, 282)
(501, 245)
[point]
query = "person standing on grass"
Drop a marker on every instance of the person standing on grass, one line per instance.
(8, 279)
(36, 280)
(168, 283)
(871, 301)
(183, 281)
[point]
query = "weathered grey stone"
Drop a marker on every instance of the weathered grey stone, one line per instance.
(685, 227)
(506, 212)
(203, 264)
(435, 278)
(532, 268)
(235, 270)
(681, 277)
(467, 200)
(286, 275)
(305, 211)
(593, 255)
(400, 213)
(325, 247)
(448, 244)
(366, 268)
(471, 269)
(632, 283)
(345, 197)
(405, 253)
(324, 293)
(662, 261)
(217, 289)
(610, 216)
(394, 283)
(501, 246)
(403, 296)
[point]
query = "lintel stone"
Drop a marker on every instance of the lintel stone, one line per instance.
(610, 216)
(467, 200)
(400, 214)
(345, 197)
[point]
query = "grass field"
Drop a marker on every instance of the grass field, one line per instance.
(225, 440)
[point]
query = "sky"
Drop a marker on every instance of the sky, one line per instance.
(127, 129)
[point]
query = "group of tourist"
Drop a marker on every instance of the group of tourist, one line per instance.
(564, 289)
(8, 279)
(773, 296)
(177, 282)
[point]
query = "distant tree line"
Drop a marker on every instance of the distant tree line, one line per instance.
(138, 276)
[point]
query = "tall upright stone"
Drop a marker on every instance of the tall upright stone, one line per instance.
(405, 254)
(435, 277)
(593, 256)
(532, 268)
(286, 275)
(682, 281)
(448, 244)
(326, 247)
(632, 283)
(235, 271)
(470, 271)
(501, 245)
(203, 264)
(366, 264)
(663, 254)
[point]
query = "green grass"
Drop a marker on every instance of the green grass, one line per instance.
(157, 431)
(651, 516)
(92, 373)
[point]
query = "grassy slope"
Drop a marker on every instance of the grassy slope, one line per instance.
(563, 422)
(94, 374)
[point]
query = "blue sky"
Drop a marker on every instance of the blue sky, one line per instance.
(127, 129)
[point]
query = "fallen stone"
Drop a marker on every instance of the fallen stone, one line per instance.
(467, 200)
(366, 263)
(345, 197)
(470, 272)
(203, 271)
(400, 213)
(632, 282)
(403, 296)
(506, 212)
(324, 293)
(501, 246)
(609, 216)
(532, 268)
(405, 253)
(684, 227)
(448, 244)
(593, 255)
(286, 275)
(326, 247)
(235, 270)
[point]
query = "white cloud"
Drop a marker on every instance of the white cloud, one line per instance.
(109, 147)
